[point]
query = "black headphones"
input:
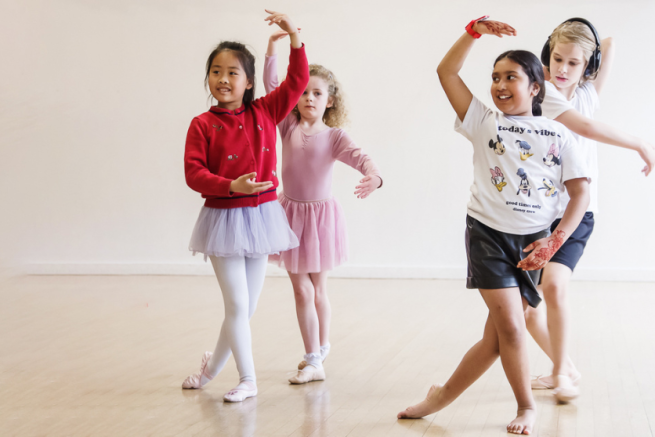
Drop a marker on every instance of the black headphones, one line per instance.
(594, 61)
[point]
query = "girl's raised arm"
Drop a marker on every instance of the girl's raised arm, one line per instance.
(607, 53)
(280, 101)
(270, 64)
(456, 90)
(286, 25)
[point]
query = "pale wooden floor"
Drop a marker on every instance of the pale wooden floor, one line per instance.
(94, 356)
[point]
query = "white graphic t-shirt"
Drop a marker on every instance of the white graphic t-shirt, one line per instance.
(520, 165)
(586, 102)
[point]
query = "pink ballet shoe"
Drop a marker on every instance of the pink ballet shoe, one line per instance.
(193, 381)
(542, 382)
(547, 382)
(240, 393)
(308, 374)
(566, 390)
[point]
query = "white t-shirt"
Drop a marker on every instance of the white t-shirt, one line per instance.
(585, 101)
(520, 165)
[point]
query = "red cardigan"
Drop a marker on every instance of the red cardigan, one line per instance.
(222, 145)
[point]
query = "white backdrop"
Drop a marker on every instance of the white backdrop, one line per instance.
(96, 98)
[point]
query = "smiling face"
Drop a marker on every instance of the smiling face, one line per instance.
(567, 65)
(227, 80)
(315, 99)
(511, 88)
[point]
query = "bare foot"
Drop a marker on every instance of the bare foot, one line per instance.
(430, 405)
(524, 422)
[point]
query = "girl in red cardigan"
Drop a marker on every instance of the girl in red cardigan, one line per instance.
(230, 159)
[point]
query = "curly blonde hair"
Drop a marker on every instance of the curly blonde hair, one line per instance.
(337, 114)
(576, 33)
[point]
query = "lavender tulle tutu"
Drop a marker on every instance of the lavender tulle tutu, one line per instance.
(247, 231)
(321, 230)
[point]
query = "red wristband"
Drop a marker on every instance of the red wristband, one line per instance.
(469, 27)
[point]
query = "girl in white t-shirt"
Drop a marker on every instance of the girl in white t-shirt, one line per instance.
(572, 59)
(514, 199)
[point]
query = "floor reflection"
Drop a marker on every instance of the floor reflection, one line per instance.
(237, 419)
(316, 404)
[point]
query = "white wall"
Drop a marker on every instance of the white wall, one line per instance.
(96, 98)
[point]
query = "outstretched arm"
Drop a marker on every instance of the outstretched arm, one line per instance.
(607, 59)
(456, 90)
(345, 150)
(603, 133)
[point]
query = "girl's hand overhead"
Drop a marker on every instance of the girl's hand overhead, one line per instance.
(278, 35)
(490, 27)
(281, 20)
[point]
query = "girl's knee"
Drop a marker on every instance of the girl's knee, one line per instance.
(555, 294)
(303, 294)
(512, 331)
(237, 309)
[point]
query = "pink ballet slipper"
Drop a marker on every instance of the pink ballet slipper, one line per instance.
(566, 389)
(308, 374)
(194, 381)
(542, 382)
(240, 393)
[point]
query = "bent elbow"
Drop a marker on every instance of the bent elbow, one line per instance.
(441, 71)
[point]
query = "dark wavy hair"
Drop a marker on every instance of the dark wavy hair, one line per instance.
(533, 69)
(246, 59)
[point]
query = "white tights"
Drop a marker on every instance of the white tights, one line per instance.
(241, 280)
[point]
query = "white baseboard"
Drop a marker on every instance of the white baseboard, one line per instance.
(613, 275)
(347, 271)
(192, 269)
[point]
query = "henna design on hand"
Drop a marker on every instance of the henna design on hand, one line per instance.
(540, 257)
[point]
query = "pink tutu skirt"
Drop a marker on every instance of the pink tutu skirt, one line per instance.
(321, 230)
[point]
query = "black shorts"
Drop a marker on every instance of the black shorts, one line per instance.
(571, 251)
(492, 258)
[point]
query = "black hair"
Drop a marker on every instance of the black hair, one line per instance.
(246, 59)
(533, 69)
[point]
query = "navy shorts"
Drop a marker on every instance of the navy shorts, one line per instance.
(571, 251)
(492, 258)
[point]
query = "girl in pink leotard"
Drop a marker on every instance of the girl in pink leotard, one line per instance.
(311, 143)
